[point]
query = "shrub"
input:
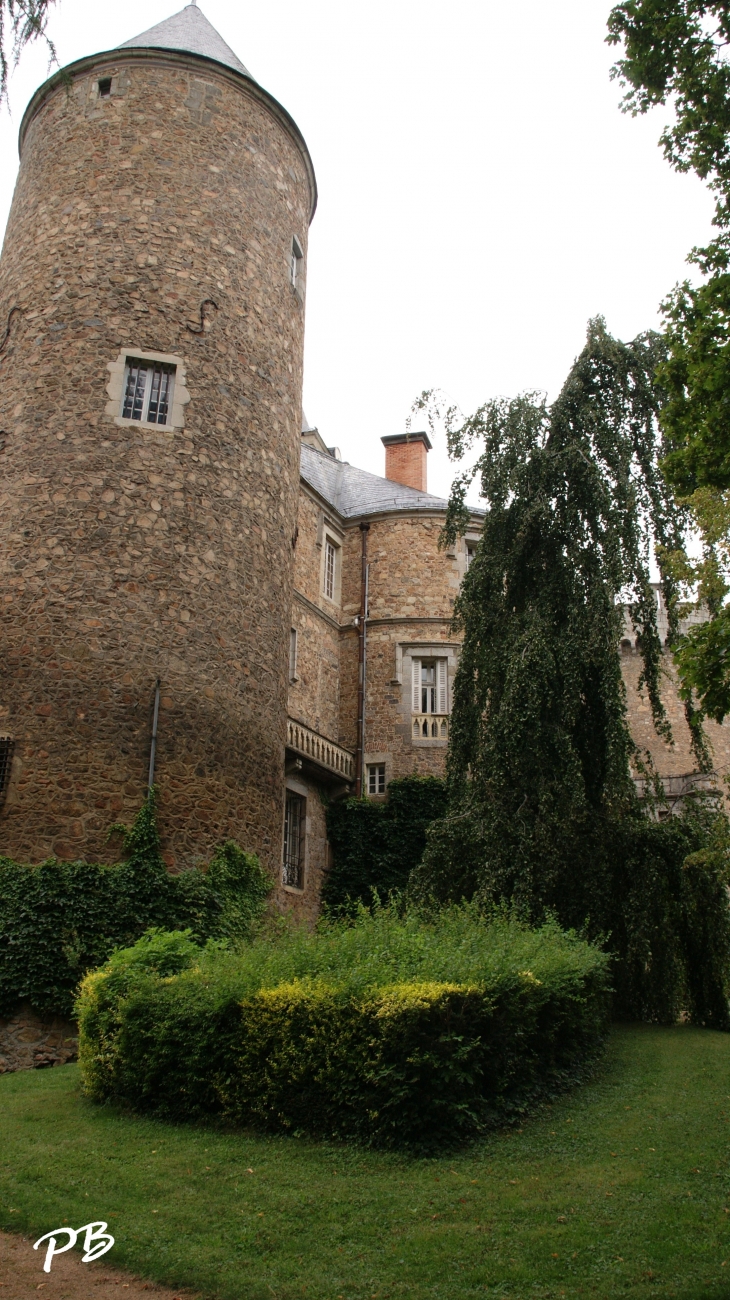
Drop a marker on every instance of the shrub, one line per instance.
(375, 846)
(60, 919)
(392, 1030)
(655, 894)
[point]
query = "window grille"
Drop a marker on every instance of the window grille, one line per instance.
(376, 778)
(147, 391)
(330, 567)
(292, 654)
(293, 872)
(7, 745)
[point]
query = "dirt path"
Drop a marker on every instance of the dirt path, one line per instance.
(22, 1277)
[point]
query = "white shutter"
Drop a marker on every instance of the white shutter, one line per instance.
(441, 686)
(416, 691)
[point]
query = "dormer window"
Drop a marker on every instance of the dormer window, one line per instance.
(296, 263)
(147, 391)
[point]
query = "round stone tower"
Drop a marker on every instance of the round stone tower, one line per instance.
(151, 333)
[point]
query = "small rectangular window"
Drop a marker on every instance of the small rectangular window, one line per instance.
(471, 551)
(376, 778)
(7, 745)
(105, 88)
(295, 263)
(330, 569)
(293, 654)
(147, 391)
(293, 865)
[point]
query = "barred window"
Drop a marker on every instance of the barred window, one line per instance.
(147, 391)
(293, 865)
(376, 778)
(7, 745)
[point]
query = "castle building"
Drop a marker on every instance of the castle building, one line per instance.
(196, 591)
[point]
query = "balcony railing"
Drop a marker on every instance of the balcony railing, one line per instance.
(325, 753)
(431, 726)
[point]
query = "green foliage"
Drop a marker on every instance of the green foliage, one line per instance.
(376, 845)
(675, 53)
(61, 919)
(543, 809)
(392, 1030)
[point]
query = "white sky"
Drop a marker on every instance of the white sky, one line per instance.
(481, 195)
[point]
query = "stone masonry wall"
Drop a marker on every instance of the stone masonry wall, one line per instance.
(314, 697)
(159, 219)
(412, 587)
(676, 759)
(29, 1041)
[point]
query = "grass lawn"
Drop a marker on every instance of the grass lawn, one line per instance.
(620, 1189)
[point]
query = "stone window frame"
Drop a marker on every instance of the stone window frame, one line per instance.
(115, 388)
(406, 652)
(378, 759)
(297, 267)
(293, 653)
(329, 535)
(292, 786)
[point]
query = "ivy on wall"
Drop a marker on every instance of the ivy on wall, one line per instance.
(376, 845)
(61, 919)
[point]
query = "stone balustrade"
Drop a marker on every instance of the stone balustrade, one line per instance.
(302, 740)
(434, 726)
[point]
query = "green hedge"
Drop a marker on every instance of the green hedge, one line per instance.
(61, 919)
(376, 845)
(392, 1030)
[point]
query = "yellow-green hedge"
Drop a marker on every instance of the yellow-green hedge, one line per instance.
(418, 1062)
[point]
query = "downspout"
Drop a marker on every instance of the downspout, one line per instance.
(362, 664)
(153, 743)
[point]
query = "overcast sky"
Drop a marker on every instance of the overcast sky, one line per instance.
(480, 194)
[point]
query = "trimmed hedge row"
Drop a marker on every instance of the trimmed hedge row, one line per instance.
(61, 919)
(416, 1061)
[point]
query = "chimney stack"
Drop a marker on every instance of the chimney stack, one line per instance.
(405, 459)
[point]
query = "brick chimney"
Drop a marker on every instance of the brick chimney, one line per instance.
(405, 459)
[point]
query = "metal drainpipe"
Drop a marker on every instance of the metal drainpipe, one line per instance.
(153, 743)
(362, 664)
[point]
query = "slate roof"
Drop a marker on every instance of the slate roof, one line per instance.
(188, 30)
(352, 492)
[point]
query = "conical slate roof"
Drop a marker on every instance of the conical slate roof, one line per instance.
(188, 30)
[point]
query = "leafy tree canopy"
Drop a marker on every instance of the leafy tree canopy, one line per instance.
(675, 52)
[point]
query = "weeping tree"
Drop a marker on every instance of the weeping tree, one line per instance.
(543, 809)
(21, 21)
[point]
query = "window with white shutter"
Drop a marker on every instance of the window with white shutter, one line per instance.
(442, 686)
(416, 706)
(430, 698)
